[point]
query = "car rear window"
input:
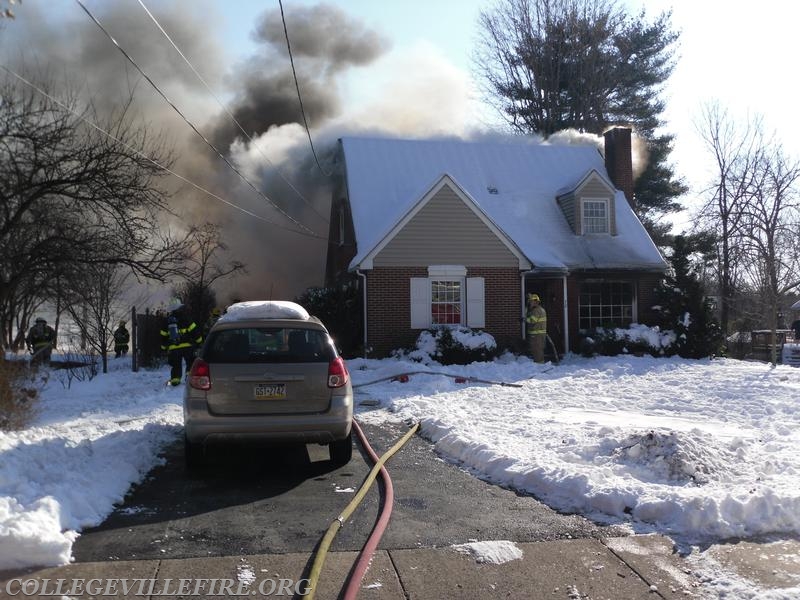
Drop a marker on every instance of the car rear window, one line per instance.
(268, 345)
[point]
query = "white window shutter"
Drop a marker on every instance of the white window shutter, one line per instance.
(476, 305)
(420, 303)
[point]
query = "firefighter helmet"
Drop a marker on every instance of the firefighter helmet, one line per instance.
(174, 305)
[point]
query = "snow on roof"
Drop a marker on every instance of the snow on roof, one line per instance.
(514, 182)
(264, 309)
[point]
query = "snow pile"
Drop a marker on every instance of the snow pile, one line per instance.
(264, 309)
(494, 552)
(672, 456)
(86, 447)
(705, 450)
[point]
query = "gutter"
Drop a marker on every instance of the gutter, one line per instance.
(364, 303)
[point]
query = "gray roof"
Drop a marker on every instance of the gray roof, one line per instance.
(386, 177)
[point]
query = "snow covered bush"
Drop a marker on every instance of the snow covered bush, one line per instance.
(636, 339)
(454, 346)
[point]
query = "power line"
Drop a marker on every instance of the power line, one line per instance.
(299, 97)
(188, 122)
(230, 114)
(147, 158)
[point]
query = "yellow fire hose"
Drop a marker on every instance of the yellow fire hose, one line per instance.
(336, 525)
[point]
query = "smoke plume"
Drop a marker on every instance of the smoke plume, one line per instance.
(282, 257)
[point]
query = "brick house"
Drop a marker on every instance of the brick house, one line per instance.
(452, 232)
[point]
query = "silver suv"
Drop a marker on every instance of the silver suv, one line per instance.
(268, 372)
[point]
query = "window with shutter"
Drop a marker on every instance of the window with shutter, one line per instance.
(442, 299)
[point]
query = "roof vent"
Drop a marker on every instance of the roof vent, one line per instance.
(491, 189)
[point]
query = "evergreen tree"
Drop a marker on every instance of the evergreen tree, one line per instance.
(683, 305)
(340, 309)
(550, 65)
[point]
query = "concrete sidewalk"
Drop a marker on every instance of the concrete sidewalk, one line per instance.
(615, 568)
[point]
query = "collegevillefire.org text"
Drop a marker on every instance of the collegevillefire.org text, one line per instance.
(154, 587)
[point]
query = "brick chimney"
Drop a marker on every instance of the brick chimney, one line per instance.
(619, 161)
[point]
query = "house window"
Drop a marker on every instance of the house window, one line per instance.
(446, 298)
(594, 216)
(606, 304)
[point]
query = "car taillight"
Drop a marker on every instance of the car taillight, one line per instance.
(200, 375)
(337, 373)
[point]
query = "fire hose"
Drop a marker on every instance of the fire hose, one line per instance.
(458, 378)
(338, 522)
(367, 552)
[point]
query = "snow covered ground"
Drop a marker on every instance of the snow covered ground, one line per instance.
(697, 450)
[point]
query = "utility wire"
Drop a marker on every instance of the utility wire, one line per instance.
(147, 158)
(299, 97)
(230, 114)
(194, 128)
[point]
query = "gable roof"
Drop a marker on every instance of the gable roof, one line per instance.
(445, 180)
(515, 183)
(586, 177)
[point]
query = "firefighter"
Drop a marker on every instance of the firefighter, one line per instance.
(121, 339)
(212, 319)
(536, 328)
(41, 340)
(180, 336)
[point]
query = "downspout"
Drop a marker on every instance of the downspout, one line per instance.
(523, 275)
(364, 304)
(566, 318)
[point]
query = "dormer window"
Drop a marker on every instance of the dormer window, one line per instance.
(594, 215)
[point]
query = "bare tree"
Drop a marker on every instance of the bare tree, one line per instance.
(736, 149)
(78, 188)
(95, 305)
(204, 264)
(771, 214)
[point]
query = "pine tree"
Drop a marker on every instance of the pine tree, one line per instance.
(550, 65)
(683, 305)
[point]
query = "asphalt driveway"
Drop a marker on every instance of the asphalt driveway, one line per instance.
(281, 500)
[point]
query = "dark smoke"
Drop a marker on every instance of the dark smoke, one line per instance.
(325, 43)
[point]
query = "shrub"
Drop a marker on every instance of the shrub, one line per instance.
(455, 346)
(636, 339)
(339, 308)
(17, 394)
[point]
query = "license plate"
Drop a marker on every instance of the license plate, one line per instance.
(270, 391)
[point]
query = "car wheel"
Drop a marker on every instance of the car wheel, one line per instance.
(193, 454)
(341, 450)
